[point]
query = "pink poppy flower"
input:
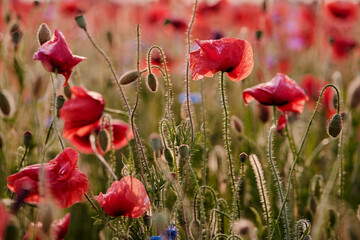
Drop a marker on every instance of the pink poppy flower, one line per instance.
(126, 197)
(56, 56)
(231, 55)
(63, 180)
(4, 219)
(281, 91)
(82, 113)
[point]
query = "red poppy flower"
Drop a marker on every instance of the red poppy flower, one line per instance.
(230, 55)
(59, 229)
(121, 135)
(342, 47)
(81, 113)
(4, 219)
(281, 123)
(65, 183)
(341, 12)
(126, 197)
(56, 56)
(281, 91)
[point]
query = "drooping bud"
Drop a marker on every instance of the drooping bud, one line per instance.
(60, 100)
(152, 82)
(169, 158)
(67, 91)
(184, 151)
(263, 113)
(147, 221)
(103, 140)
(129, 77)
(44, 34)
(81, 21)
(335, 125)
(243, 156)
(156, 144)
(236, 124)
(27, 138)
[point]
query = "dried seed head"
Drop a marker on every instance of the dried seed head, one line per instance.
(103, 140)
(81, 21)
(236, 124)
(243, 156)
(152, 82)
(129, 77)
(335, 125)
(184, 151)
(44, 34)
(27, 138)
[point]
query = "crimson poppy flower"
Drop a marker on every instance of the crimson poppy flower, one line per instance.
(4, 219)
(58, 229)
(63, 180)
(231, 55)
(126, 197)
(342, 47)
(341, 12)
(56, 56)
(281, 91)
(82, 113)
(281, 123)
(121, 135)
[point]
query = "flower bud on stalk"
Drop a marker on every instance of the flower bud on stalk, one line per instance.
(236, 124)
(335, 126)
(184, 151)
(44, 34)
(129, 77)
(152, 82)
(27, 138)
(81, 21)
(60, 100)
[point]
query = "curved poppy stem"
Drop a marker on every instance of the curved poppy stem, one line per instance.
(277, 180)
(169, 95)
(187, 69)
(303, 141)
(226, 135)
(202, 207)
(111, 133)
(54, 112)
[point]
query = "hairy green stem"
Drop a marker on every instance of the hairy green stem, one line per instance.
(54, 112)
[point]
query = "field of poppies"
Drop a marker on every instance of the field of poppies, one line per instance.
(179, 119)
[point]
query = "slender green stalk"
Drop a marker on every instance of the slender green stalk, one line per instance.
(202, 207)
(187, 69)
(113, 158)
(54, 111)
(226, 133)
(303, 141)
(278, 182)
(116, 111)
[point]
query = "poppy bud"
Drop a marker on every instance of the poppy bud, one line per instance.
(243, 157)
(152, 82)
(15, 34)
(173, 175)
(169, 158)
(155, 142)
(184, 151)
(236, 124)
(27, 138)
(44, 34)
(258, 34)
(147, 220)
(4, 104)
(59, 102)
(81, 21)
(36, 3)
(67, 91)
(335, 126)
(103, 140)
(129, 77)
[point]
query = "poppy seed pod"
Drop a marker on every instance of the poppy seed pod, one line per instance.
(81, 21)
(152, 82)
(335, 126)
(155, 142)
(4, 104)
(60, 100)
(129, 77)
(7, 104)
(43, 34)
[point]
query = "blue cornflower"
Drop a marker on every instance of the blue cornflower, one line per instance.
(194, 97)
(169, 234)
